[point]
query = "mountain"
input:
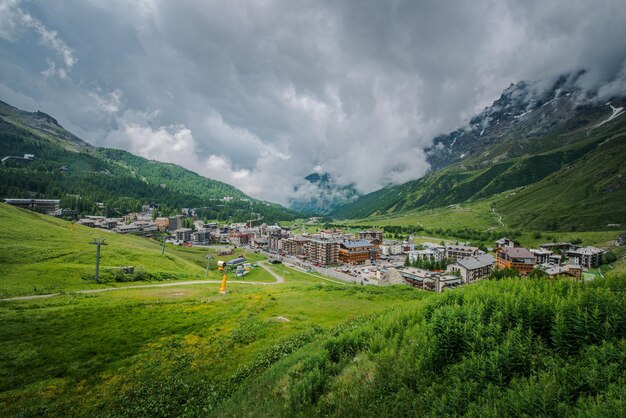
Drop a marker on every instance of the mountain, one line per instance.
(320, 195)
(109, 181)
(526, 142)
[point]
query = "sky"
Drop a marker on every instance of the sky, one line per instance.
(260, 94)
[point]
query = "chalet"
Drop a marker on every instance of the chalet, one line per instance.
(357, 252)
(517, 258)
(461, 251)
(472, 269)
(589, 257)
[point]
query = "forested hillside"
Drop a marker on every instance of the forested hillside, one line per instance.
(84, 177)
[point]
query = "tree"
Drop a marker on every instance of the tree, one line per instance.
(609, 257)
(407, 261)
(537, 273)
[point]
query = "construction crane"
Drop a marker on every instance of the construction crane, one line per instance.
(221, 266)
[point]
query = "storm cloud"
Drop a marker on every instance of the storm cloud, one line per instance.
(260, 94)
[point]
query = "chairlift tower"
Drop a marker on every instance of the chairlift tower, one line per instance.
(98, 243)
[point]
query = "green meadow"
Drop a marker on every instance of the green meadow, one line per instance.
(305, 347)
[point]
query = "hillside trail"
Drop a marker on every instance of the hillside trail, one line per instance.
(279, 280)
(497, 216)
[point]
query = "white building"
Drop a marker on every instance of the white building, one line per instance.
(472, 269)
(589, 257)
(391, 248)
(427, 254)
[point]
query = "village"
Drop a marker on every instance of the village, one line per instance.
(363, 257)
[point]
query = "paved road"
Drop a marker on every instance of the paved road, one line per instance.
(279, 280)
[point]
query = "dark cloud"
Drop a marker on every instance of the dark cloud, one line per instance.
(260, 94)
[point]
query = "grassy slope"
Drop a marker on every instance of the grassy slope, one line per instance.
(42, 254)
(512, 348)
(589, 193)
(595, 153)
(149, 352)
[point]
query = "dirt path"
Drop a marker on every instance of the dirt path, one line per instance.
(497, 215)
(279, 280)
(278, 277)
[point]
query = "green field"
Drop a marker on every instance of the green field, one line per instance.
(305, 347)
(40, 254)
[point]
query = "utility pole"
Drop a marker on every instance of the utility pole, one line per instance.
(208, 260)
(163, 246)
(98, 243)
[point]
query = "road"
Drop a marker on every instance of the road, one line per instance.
(279, 280)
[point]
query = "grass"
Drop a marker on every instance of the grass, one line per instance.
(73, 355)
(41, 254)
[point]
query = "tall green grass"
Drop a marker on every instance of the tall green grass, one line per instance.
(511, 348)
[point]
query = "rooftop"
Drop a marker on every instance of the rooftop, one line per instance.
(357, 243)
(479, 261)
(518, 252)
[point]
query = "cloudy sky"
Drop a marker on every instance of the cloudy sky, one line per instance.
(261, 93)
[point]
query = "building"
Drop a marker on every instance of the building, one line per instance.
(357, 252)
(541, 256)
(472, 269)
(517, 258)
(37, 205)
(162, 223)
(589, 257)
(295, 246)
(109, 223)
(407, 246)
(554, 270)
(428, 280)
(127, 229)
(90, 223)
(323, 252)
(238, 238)
(432, 255)
(506, 242)
(175, 222)
(461, 251)
(370, 236)
(275, 243)
(391, 248)
(558, 246)
(182, 234)
(201, 236)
